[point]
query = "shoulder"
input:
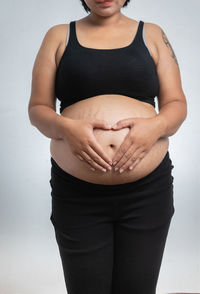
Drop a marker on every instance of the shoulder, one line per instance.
(57, 28)
(157, 37)
(52, 40)
(153, 29)
(56, 33)
(156, 34)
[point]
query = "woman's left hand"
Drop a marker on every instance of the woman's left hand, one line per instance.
(144, 132)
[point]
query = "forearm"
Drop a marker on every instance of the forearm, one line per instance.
(48, 122)
(170, 117)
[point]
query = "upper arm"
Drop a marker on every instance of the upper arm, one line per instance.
(44, 69)
(170, 86)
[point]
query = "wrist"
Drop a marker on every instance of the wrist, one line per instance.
(161, 125)
(62, 124)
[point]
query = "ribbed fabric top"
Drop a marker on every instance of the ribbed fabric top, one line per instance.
(85, 72)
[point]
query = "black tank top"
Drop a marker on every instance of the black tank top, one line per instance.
(85, 72)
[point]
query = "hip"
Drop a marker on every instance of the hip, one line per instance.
(64, 183)
(148, 201)
(62, 155)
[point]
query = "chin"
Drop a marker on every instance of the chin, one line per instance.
(104, 12)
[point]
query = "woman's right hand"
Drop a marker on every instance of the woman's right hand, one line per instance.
(84, 145)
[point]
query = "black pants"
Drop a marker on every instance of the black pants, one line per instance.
(111, 238)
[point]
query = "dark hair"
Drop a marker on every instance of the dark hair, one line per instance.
(87, 9)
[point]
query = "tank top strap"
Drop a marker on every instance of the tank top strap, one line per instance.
(139, 35)
(73, 42)
(71, 39)
(141, 23)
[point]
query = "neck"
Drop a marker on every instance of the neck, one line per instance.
(106, 21)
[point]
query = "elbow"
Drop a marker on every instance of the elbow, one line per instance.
(31, 114)
(185, 111)
(184, 108)
(184, 101)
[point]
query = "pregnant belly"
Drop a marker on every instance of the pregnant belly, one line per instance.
(110, 108)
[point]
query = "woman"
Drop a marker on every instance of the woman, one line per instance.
(112, 187)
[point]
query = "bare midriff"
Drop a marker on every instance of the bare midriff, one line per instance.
(110, 108)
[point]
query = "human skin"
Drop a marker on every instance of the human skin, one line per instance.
(141, 139)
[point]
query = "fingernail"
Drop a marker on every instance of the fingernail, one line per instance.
(131, 167)
(104, 170)
(110, 162)
(116, 168)
(121, 170)
(114, 162)
(109, 167)
(92, 168)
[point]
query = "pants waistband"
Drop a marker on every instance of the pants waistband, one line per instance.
(164, 168)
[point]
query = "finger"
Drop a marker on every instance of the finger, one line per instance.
(101, 124)
(98, 161)
(87, 156)
(122, 150)
(91, 162)
(124, 123)
(102, 158)
(135, 163)
(79, 157)
(131, 161)
(127, 155)
(86, 162)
